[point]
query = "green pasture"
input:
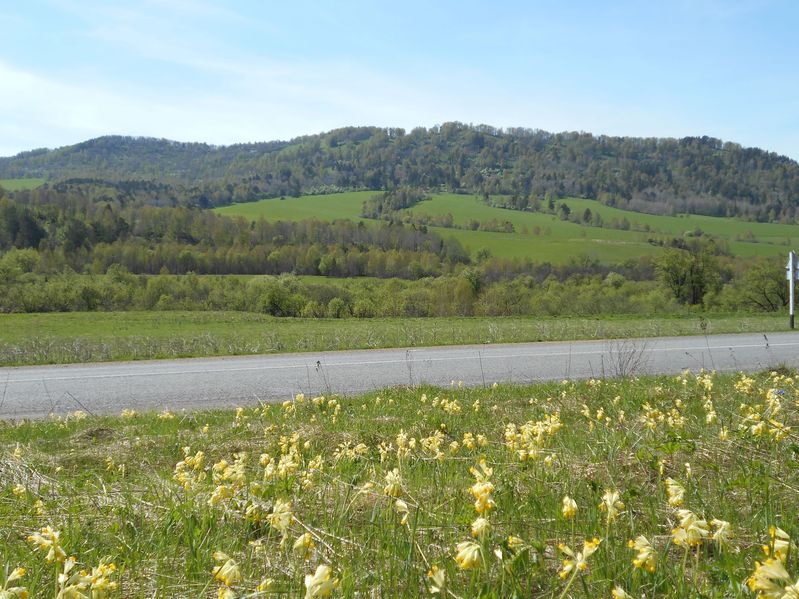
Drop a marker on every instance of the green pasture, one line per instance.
(68, 337)
(324, 207)
(19, 184)
(555, 237)
(541, 236)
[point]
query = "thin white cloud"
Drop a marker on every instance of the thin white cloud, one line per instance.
(286, 101)
(220, 97)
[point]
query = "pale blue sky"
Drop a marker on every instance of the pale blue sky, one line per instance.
(225, 72)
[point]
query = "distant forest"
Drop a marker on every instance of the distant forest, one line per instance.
(699, 175)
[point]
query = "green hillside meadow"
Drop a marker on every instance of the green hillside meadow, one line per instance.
(18, 184)
(541, 236)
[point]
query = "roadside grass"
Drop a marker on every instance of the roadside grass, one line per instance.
(404, 492)
(20, 184)
(543, 237)
(69, 337)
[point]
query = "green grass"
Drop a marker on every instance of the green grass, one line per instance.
(543, 237)
(19, 184)
(552, 236)
(324, 207)
(103, 336)
(134, 491)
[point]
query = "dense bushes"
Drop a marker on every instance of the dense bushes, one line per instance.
(465, 294)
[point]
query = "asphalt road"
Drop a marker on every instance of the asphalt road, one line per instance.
(36, 392)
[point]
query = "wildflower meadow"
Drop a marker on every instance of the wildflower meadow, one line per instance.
(638, 487)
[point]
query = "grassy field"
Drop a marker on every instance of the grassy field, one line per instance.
(103, 336)
(543, 237)
(18, 184)
(324, 207)
(654, 487)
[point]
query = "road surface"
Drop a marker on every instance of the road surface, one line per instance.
(36, 392)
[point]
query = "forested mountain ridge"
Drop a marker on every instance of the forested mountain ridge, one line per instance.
(700, 175)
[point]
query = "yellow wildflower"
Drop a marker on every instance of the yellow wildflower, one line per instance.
(281, 517)
(769, 579)
(611, 504)
(620, 593)
(646, 557)
(438, 578)
(100, 580)
(393, 485)
(304, 546)
(319, 584)
(469, 441)
(569, 508)
(469, 556)
(228, 573)
(577, 562)
(780, 543)
(402, 508)
(675, 491)
(15, 592)
(482, 488)
(47, 539)
(722, 533)
(71, 586)
(690, 531)
(480, 527)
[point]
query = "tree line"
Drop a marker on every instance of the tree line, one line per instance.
(700, 175)
(470, 292)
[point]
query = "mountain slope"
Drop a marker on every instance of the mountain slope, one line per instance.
(695, 174)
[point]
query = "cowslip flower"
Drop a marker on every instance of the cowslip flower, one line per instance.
(304, 546)
(71, 586)
(722, 533)
(393, 485)
(675, 492)
(438, 580)
(769, 579)
(611, 505)
(482, 488)
(691, 530)
(402, 509)
(281, 517)
(320, 583)
(780, 543)
(100, 580)
(577, 562)
(569, 510)
(47, 539)
(228, 572)
(620, 593)
(646, 557)
(15, 592)
(469, 556)
(480, 527)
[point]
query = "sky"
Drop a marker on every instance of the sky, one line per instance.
(243, 71)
